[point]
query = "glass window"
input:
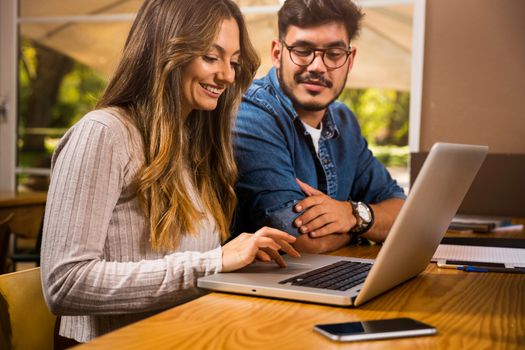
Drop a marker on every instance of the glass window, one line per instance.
(69, 48)
(66, 55)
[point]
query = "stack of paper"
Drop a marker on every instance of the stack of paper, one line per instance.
(477, 224)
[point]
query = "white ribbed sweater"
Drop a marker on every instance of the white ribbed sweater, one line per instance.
(98, 269)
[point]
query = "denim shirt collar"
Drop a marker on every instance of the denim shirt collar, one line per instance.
(330, 129)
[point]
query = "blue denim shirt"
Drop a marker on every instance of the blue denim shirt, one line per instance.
(272, 149)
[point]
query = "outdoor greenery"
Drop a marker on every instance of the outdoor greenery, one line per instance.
(383, 116)
(78, 91)
(391, 156)
(54, 92)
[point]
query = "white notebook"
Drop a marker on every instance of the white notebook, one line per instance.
(507, 256)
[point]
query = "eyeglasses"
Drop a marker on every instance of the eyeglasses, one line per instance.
(303, 56)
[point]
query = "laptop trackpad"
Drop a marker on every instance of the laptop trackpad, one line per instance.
(261, 267)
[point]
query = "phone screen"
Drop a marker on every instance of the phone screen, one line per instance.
(375, 329)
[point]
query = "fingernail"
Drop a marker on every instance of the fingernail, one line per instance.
(313, 234)
(298, 223)
(304, 229)
(298, 208)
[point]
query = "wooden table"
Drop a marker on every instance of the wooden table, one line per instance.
(470, 311)
(13, 199)
(28, 210)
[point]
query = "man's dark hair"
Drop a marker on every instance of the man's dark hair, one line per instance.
(311, 13)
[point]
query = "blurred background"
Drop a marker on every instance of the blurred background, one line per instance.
(67, 51)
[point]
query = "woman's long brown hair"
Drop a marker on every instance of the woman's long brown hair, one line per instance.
(165, 36)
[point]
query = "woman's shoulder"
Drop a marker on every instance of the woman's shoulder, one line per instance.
(109, 126)
(112, 119)
(113, 122)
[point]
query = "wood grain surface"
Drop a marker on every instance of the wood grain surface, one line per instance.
(470, 311)
(12, 199)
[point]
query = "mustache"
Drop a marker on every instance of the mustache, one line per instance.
(317, 77)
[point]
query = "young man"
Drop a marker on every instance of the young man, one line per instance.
(304, 166)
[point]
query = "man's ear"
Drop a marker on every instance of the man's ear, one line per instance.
(276, 53)
(351, 59)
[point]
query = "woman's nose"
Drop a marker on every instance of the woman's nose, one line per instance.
(226, 73)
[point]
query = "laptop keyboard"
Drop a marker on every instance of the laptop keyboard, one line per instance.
(341, 275)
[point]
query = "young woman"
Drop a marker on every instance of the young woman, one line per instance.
(142, 192)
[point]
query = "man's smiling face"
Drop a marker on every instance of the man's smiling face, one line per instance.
(313, 87)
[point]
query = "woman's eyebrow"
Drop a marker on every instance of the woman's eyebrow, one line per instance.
(222, 50)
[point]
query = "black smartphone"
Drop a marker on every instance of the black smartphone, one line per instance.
(375, 329)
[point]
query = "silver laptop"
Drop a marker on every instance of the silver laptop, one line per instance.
(434, 199)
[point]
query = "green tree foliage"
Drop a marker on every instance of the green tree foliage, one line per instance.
(54, 92)
(77, 91)
(382, 114)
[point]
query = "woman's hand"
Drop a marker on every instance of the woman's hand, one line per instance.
(263, 245)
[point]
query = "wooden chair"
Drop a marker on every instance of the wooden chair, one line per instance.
(31, 255)
(26, 230)
(25, 320)
(5, 233)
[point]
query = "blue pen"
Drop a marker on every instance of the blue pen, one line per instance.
(473, 269)
(472, 266)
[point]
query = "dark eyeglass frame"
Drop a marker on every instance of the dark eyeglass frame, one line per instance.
(291, 48)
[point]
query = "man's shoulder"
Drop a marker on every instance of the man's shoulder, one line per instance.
(259, 91)
(261, 100)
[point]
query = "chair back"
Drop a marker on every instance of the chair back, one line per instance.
(25, 320)
(5, 233)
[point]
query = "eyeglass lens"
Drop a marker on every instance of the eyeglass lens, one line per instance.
(332, 57)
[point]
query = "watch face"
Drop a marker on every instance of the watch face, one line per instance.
(363, 211)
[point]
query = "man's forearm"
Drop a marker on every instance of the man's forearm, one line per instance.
(384, 212)
(281, 219)
(384, 215)
(306, 244)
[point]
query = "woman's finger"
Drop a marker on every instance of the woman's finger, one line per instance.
(261, 255)
(288, 249)
(275, 233)
(266, 242)
(275, 256)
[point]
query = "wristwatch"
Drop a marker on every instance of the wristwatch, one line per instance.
(364, 216)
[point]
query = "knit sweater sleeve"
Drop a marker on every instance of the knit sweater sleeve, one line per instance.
(86, 185)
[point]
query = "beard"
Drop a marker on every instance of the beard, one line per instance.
(302, 77)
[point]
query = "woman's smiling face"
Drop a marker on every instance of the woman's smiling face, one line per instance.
(206, 77)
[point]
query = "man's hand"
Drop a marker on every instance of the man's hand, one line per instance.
(322, 215)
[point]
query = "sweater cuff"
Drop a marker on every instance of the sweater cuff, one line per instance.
(214, 260)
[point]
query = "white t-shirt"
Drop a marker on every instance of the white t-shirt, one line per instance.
(315, 134)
